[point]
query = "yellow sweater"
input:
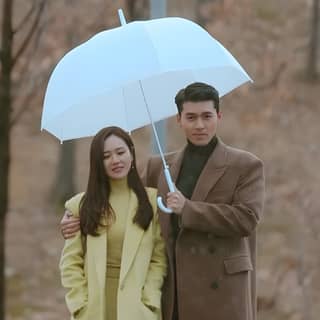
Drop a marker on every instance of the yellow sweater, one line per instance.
(119, 200)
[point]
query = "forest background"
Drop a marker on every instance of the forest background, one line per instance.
(276, 117)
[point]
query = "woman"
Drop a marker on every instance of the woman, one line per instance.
(114, 268)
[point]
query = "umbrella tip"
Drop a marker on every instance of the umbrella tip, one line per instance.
(122, 17)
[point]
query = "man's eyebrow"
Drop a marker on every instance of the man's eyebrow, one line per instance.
(195, 113)
(207, 112)
(190, 113)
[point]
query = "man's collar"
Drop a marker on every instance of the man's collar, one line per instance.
(204, 150)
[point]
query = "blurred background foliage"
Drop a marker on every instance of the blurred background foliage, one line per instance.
(276, 117)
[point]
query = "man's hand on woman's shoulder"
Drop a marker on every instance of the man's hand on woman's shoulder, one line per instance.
(69, 225)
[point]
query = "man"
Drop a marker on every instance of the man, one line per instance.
(211, 236)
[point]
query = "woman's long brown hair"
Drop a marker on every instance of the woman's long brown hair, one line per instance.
(95, 202)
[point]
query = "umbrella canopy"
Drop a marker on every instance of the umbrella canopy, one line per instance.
(129, 76)
(109, 79)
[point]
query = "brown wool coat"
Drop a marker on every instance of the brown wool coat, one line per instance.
(216, 247)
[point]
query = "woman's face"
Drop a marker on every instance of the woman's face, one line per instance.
(117, 157)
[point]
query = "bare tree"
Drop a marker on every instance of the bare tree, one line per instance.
(199, 17)
(64, 186)
(186, 9)
(8, 59)
(137, 9)
(312, 72)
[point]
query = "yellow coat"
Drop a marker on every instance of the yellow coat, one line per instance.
(143, 268)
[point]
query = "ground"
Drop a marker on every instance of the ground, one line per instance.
(276, 117)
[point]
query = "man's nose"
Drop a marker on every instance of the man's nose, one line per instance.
(199, 124)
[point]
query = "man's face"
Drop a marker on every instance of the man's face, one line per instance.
(199, 121)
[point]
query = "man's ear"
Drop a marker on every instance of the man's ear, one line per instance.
(219, 114)
(178, 119)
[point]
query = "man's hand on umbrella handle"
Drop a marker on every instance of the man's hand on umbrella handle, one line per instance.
(69, 225)
(176, 201)
(172, 188)
(162, 207)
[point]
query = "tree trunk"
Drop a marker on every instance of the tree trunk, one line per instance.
(63, 187)
(182, 8)
(312, 72)
(199, 18)
(5, 108)
(137, 9)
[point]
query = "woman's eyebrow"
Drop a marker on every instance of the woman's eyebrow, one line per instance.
(116, 149)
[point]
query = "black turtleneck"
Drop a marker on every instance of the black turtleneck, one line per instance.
(194, 159)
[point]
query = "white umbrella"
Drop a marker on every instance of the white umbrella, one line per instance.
(128, 77)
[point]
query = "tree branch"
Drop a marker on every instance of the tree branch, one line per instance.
(274, 80)
(25, 66)
(25, 106)
(26, 17)
(32, 30)
(311, 70)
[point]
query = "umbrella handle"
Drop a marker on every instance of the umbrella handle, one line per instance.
(162, 206)
(171, 189)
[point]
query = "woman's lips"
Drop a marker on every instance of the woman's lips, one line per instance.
(117, 169)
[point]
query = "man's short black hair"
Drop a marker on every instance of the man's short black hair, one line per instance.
(195, 92)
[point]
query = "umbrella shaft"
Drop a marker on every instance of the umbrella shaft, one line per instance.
(153, 127)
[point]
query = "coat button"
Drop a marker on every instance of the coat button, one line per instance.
(214, 285)
(203, 251)
(212, 249)
(193, 250)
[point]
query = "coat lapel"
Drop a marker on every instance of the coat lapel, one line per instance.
(175, 164)
(98, 245)
(211, 173)
(132, 238)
